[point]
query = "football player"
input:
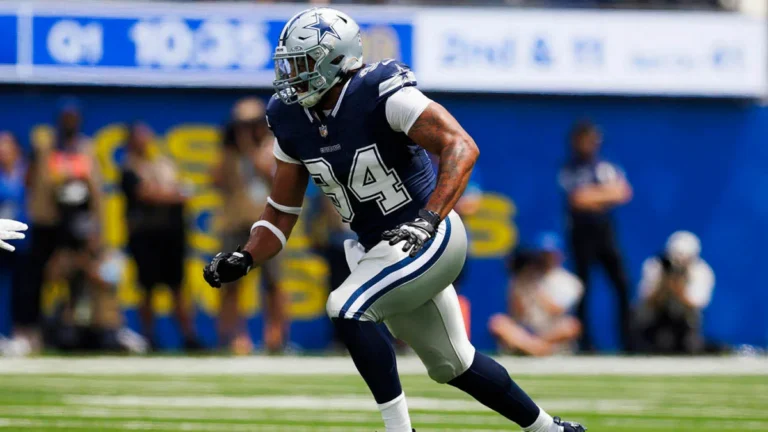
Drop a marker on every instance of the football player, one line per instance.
(10, 230)
(361, 133)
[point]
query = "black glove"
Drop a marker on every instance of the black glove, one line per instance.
(227, 267)
(415, 233)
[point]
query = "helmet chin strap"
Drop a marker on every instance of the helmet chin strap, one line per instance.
(312, 100)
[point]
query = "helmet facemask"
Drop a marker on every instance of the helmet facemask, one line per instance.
(298, 76)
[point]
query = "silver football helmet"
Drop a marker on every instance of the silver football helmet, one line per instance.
(316, 47)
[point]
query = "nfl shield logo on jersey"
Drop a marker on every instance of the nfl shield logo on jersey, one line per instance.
(323, 131)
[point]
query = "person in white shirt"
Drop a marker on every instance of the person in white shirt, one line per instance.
(541, 295)
(10, 230)
(676, 286)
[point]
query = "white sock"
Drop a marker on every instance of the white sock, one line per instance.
(395, 415)
(543, 423)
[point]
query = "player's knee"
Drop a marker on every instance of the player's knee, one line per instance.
(439, 374)
(446, 371)
(446, 368)
(442, 374)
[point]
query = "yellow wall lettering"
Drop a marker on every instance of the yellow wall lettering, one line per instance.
(492, 231)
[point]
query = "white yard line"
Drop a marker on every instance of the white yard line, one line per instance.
(687, 392)
(86, 383)
(198, 413)
(710, 366)
(47, 425)
(344, 402)
(20, 424)
(337, 403)
(218, 414)
(610, 408)
(17, 424)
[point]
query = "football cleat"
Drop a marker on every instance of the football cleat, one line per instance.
(569, 426)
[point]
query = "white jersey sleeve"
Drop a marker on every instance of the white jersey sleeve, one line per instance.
(283, 156)
(404, 107)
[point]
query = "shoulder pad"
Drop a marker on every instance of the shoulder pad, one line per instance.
(280, 116)
(273, 109)
(387, 76)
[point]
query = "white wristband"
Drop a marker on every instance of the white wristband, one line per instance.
(275, 230)
(285, 209)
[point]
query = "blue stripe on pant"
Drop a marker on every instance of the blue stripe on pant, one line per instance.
(393, 268)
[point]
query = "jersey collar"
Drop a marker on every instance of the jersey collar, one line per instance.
(309, 115)
(335, 108)
(341, 97)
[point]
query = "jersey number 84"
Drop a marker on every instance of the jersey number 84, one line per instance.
(369, 179)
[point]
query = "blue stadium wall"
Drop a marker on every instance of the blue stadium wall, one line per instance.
(698, 165)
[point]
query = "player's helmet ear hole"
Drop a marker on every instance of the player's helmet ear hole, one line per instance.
(337, 60)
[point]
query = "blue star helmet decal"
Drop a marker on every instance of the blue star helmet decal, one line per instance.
(323, 28)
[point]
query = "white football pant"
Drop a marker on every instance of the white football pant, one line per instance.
(412, 296)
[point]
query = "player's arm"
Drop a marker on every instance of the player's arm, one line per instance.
(515, 302)
(600, 197)
(270, 233)
(429, 125)
(439, 133)
(282, 212)
(593, 197)
(97, 201)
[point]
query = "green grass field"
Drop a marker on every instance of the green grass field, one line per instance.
(211, 395)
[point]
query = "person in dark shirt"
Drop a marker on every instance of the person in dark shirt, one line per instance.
(595, 187)
(675, 288)
(64, 196)
(156, 236)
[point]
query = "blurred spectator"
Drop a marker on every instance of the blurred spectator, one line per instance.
(156, 229)
(676, 286)
(12, 206)
(595, 187)
(13, 170)
(541, 295)
(105, 328)
(93, 321)
(64, 204)
(244, 177)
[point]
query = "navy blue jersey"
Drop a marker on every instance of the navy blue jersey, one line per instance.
(579, 173)
(376, 177)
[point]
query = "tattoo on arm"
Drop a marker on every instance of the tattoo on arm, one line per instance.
(439, 133)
